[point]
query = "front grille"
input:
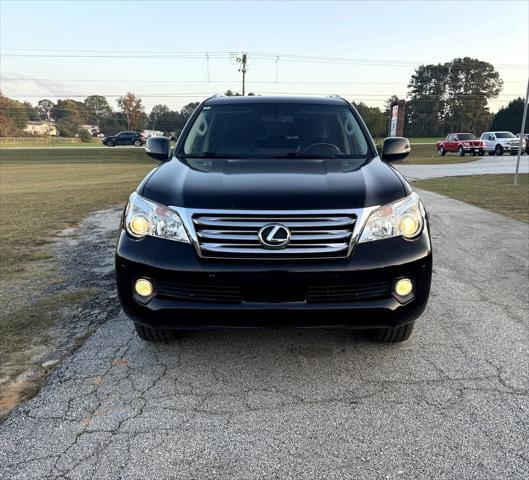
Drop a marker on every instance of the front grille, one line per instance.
(348, 293)
(236, 235)
(200, 292)
(218, 293)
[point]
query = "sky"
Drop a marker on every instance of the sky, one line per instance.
(160, 49)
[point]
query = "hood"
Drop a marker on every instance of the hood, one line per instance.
(274, 184)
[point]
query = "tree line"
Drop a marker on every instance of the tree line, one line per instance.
(442, 98)
(69, 115)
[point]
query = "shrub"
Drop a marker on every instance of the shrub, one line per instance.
(85, 136)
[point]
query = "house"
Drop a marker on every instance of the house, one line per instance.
(41, 128)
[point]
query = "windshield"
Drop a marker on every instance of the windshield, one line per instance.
(504, 135)
(466, 136)
(275, 130)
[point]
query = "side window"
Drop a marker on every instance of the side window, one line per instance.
(455, 138)
(196, 137)
(449, 138)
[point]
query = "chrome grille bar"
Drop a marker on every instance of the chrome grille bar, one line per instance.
(238, 222)
(317, 234)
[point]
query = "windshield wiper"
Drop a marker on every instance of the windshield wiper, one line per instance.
(301, 155)
(210, 155)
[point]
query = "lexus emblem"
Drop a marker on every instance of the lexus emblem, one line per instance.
(274, 235)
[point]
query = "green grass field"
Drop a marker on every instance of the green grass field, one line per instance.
(493, 192)
(47, 142)
(427, 155)
(43, 191)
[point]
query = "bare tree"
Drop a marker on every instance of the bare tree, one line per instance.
(132, 110)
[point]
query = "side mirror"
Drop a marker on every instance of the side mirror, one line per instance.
(395, 148)
(158, 148)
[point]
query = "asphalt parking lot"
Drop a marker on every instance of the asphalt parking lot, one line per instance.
(451, 402)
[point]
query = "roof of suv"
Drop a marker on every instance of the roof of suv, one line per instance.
(222, 100)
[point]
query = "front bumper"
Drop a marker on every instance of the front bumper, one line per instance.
(506, 148)
(198, 293)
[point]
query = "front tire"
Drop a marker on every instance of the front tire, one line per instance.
(394, 335)
(137, 143)
(155, 335)
(461, 152)
(481, 153)
(110, 143)
(498, 151)
(442, 151)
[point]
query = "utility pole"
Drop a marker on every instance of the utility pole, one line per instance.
(522, 131)
(242, 61)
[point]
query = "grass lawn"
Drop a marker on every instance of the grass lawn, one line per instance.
(494, 192)
(52, 145)
(414, 140)
(42, 192)
(41, 142)
(427, 155)
(425, 139)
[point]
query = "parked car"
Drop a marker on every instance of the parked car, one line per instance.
(496, 143)
(151, 133)
(274, 211)
(124, 138)
(460, 143)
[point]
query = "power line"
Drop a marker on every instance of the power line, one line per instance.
(125, 54)
(289, 82)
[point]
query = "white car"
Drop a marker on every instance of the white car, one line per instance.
(496, 143)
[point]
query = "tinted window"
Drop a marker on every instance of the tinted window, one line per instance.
(276, 130)
(504, 135)
(467, 136)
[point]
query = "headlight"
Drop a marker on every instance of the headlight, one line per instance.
(466, 144)
(401, 218)
(144, 217)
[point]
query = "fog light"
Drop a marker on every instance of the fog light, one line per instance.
(403, 287)
(143, 287)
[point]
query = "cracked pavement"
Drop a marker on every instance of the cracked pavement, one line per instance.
(451, 402)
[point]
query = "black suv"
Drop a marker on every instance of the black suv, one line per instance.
(124, 138)
(274, 211)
